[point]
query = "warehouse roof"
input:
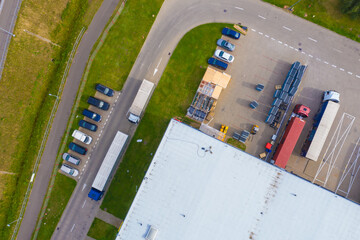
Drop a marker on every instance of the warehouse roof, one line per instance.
(198, 187)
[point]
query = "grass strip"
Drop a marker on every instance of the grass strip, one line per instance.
(171, 98)
(101, 230)
(236, 143)
(326, 13)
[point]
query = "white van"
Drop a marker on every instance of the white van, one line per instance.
(82, 137)
(69, 170)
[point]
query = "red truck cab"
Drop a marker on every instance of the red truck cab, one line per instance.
(302, 110)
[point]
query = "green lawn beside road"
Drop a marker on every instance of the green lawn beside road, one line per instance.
(171, 98)
(101, 230)
(326, 13)
(32, 70)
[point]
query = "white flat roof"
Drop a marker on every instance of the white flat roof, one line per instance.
(198, 187)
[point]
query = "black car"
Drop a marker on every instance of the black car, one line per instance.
(104, 90)
(87, 125)
(90, 114)
(77, 148)
(98, 103)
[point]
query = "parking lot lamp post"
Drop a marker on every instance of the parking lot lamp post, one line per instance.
(7, 32)
(291, 7)
(54, 95)
(13, 222)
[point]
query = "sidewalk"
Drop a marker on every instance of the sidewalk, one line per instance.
(108, 218)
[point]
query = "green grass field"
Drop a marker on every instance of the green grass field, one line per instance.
(171, 98)
(325, 13)
(32, 70)
(63, 186)
(236, 144)
(101, 230)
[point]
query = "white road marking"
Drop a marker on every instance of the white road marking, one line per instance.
(289, 29)
(350, 73)
(296, 49)
(83, 204)
(318, 59)
(337, 50)
(239, 8)
(155, 71)
(334, 66)
(266, 35)
(303, 52)
(261, 17)
(326, 62)
(280, 42)
(72, 228)
(341, 69)
(260, 33)
(357, 76)
(312, 39)
(285, 44)
(160, 43)
(83, 187)
(272, 38)
(159, 63)
(253, 30)
(291, 47)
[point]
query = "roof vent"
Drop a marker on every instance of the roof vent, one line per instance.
(151, 234)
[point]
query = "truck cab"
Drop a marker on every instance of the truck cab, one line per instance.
(331, 95)
(302, 110)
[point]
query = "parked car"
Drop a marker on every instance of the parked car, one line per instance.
(77, 148)
(225, 44)
(217, 63)
(224, 56)
(87, 125)
(104, 90)
(71, 159)
(69, 170)
(93, 116)
(98, 103)
(81, 137)
(230, 33)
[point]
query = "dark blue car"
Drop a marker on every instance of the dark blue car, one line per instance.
(77, 148)
(217, 63)
(90, 114)
(104, 90)
(87, 125)
(98, 103)
(230, 33)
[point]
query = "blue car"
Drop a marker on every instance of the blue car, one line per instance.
(98, 103)
(104, 90)
(87, 125)
(225, 44)
(90, 114)
(77, 148)
(217, 63)
(230, 33)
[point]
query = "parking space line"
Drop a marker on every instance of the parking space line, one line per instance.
(253, 30)
(310, 55)
(314, 40)
(341, 69)
(261, 17)
(83, 187)
(289, 29)
(303, 52)
(357, 76)
(334, 66)
(318, 59)
(339, 51)
(286, 45)
(291, 47)
(260, 33)
(326, 62)
(350, 73)
(72, 228)
(296, 49)
(239, 8)
(83, 204)
(267, 36)
(280, 42)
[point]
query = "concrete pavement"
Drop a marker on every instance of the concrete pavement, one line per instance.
(109, 218)
(61, 118)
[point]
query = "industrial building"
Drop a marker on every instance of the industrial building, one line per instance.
(198, 187)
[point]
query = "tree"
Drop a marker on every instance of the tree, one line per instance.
(351, 7)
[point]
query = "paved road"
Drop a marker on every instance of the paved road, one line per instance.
(8, 14)
(61, 118)
(173, 21)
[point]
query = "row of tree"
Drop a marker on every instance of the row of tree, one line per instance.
(351, 7)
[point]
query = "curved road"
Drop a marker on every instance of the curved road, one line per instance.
(173, 21)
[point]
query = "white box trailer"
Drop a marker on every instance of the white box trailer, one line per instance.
(107, 167)
(141, 100)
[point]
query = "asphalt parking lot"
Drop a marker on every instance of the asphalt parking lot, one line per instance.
(260, 59)
(95, 135)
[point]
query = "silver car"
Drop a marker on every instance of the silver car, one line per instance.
(224, 56)
(225, 44)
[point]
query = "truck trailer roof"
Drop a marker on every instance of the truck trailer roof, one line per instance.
(141, 97)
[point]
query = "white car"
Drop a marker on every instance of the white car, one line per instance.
(224, 56)
(82, 137)
(69, 170)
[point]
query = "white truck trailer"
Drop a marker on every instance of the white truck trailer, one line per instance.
(108, 166)
(141, 100)
(321, 126)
